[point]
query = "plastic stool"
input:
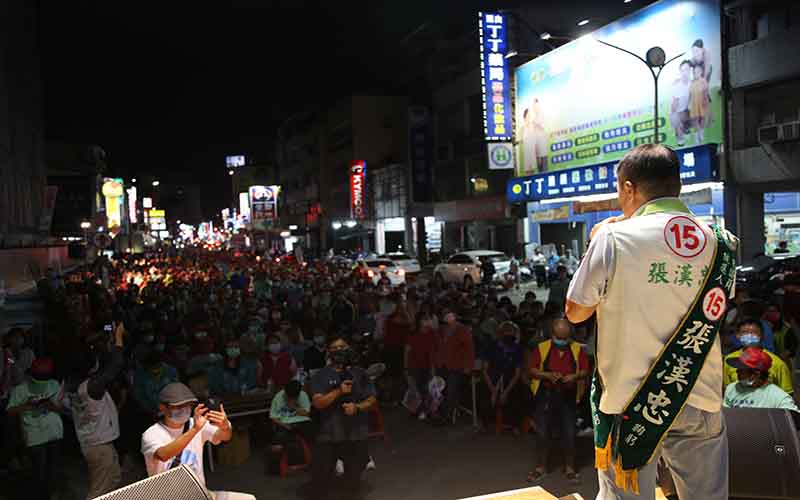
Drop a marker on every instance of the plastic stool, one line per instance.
(285, 468)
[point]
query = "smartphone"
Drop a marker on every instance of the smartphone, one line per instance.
(213, 404)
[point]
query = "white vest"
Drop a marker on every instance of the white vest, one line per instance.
(96, 421)
(640, 312)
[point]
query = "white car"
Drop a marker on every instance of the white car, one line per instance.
(374, 267)
(407, 262)
(465, 267)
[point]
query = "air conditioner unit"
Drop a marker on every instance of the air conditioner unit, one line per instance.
(770, 134)
(791, 131)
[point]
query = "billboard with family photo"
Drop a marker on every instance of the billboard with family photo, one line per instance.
(587, 103)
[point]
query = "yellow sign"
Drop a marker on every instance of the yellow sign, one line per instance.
(551, 214)
(157, 213)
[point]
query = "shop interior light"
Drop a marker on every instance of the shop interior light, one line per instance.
(545, 36)
(583, 22)
(511, 53)
(336, 225)
(156, 183)
(350, 223)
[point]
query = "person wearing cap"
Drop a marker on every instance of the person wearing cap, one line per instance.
(38, 402)
(753, 388)
(749, 333)
(179, 435)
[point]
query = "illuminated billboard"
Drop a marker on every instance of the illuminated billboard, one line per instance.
(113, 192)
(495, 76)
(234, 161)
(586, 103)
(263, 203)
(358, 190)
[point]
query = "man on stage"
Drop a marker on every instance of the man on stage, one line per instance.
(659, 280)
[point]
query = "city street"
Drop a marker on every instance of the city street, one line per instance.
(417, 462)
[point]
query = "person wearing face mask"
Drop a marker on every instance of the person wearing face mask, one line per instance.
(558, 369)
(150, 376)
(316, 355)
(750, 334)
(179, 435)
(455, 359)
(38, 403)
(278, 366)
(753, 388)
(419, 358)
(785, 336)
(95, 414)
(343, 394)
(501, 388)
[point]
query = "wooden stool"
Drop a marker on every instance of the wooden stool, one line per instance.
(285, 468)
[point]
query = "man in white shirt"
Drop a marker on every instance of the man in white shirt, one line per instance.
(642, 278)
(679, 111)
(178, 439)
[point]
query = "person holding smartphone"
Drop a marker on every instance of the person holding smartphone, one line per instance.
(342, 394)
(179, 435)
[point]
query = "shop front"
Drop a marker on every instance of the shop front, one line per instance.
(477, 224)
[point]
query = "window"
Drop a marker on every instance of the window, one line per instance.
(460, 259)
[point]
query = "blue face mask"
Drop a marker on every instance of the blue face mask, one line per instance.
(749, 339)
(560, 342)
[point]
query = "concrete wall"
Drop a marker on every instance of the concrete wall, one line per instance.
(767, 60)
(21, 267)
(22, 172)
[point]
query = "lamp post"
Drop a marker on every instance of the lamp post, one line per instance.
(85, 225)
(655, 58)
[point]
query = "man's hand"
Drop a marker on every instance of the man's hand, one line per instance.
(346, 387)
(200, 416)
(552, 377)
(219, 418)
(569, 378)
(119, 334)
(610, 220)
(350, 409)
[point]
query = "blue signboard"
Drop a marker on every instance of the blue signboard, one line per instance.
(698, 164)
(495, 82)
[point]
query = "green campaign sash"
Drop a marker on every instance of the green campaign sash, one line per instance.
(629, 440)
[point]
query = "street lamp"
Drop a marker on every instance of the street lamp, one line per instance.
(85, 225)
(156, 183)
(133, 181)
(655, 58)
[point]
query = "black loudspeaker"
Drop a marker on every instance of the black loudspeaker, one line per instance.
(764, 454)
(179, 483)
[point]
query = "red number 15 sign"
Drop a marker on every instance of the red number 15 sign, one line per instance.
(684, 237)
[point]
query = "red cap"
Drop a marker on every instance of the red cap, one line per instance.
(752, 358)
(42, 367)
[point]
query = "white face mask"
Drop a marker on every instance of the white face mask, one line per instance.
(180, 416)
(274, 348)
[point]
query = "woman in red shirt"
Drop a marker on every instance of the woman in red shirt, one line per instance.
(419, 356)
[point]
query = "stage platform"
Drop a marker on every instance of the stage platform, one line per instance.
(537, 493)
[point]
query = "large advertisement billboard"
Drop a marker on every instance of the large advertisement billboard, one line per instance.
(263, 204)
(587, 103)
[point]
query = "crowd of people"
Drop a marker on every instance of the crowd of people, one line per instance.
(140, 351)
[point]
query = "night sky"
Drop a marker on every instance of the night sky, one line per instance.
(171, 87)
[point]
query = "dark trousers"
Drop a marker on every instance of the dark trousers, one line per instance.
(513, 410)
(44, 458)
(453, 391)
(555, 410)
(354, 455)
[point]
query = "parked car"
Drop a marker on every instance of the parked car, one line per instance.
(465, 267)
(407, 262)
(373, 268)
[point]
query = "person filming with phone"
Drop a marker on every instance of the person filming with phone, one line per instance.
(342, 394)
(178, 437)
